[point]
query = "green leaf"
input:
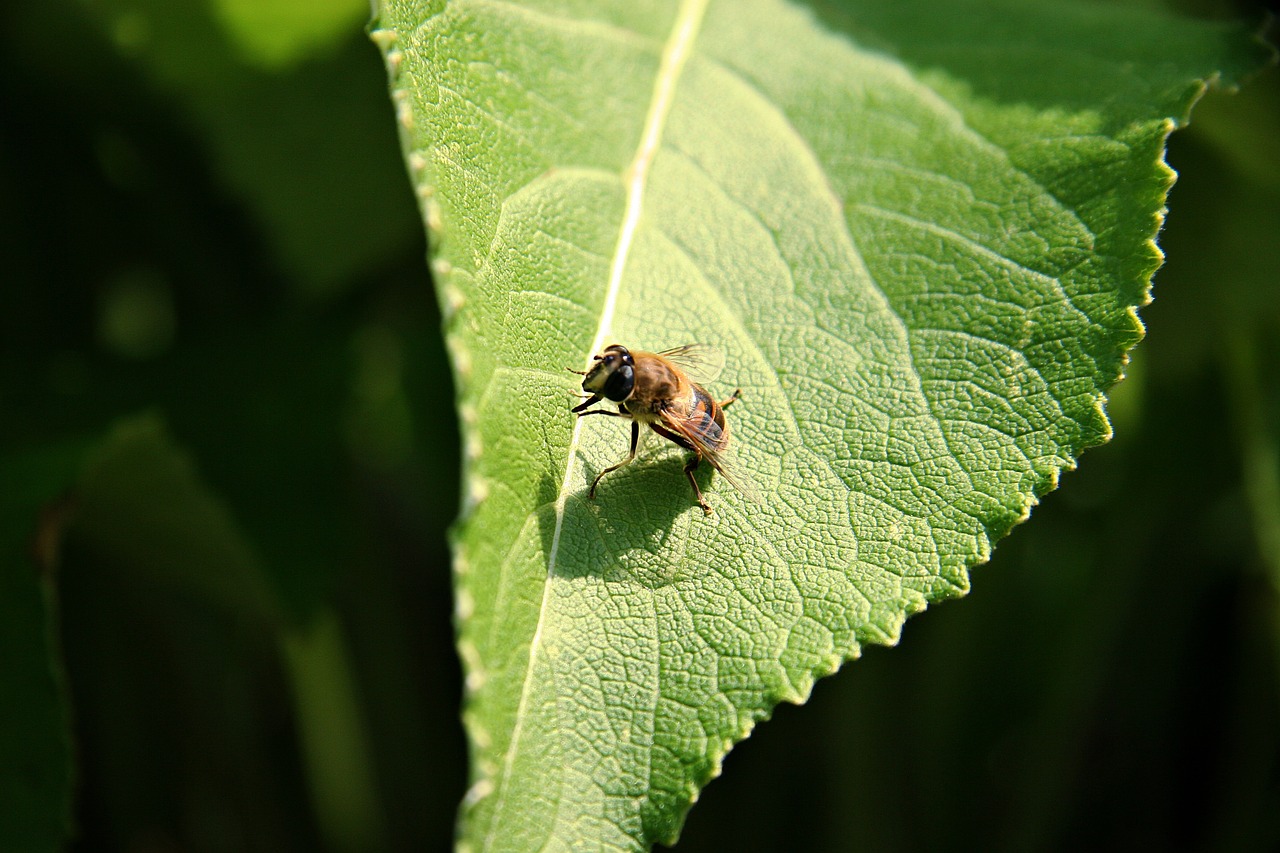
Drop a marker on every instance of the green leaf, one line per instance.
(919, 232)
(245, 78)
(133, 498)
(142, 505)
(280, 33)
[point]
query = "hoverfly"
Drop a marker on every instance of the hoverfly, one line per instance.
(662, 391)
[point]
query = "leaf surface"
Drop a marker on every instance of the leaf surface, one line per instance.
(922, 257)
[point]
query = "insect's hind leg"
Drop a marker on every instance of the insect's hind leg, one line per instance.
(689, 468)
(691, 465)
(635, 439)
(737, 395)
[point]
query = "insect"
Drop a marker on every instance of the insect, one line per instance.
(662, 390)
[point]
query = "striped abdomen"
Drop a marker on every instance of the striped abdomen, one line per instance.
(705, 419)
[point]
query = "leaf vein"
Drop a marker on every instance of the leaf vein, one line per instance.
(675, 52)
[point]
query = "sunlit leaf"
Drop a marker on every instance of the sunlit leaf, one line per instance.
(919, 232)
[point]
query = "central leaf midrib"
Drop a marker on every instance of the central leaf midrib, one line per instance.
(676, 51)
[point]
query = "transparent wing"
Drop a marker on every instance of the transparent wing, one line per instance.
(702, 362)
(721, 457)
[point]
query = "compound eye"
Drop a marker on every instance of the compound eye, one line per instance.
(619, 384)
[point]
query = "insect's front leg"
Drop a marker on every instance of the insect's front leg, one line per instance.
(591, 400)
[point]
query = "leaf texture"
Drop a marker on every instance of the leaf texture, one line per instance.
(922, 262)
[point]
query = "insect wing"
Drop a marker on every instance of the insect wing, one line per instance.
(721, 457)
(702, 363)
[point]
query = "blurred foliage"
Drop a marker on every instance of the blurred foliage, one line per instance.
(228, 460)
(217, 322)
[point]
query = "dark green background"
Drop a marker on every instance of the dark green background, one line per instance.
(228, 460)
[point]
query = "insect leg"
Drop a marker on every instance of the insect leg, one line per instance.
(591, 400)
(689, 468)
(635, 439)
(736, 396)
